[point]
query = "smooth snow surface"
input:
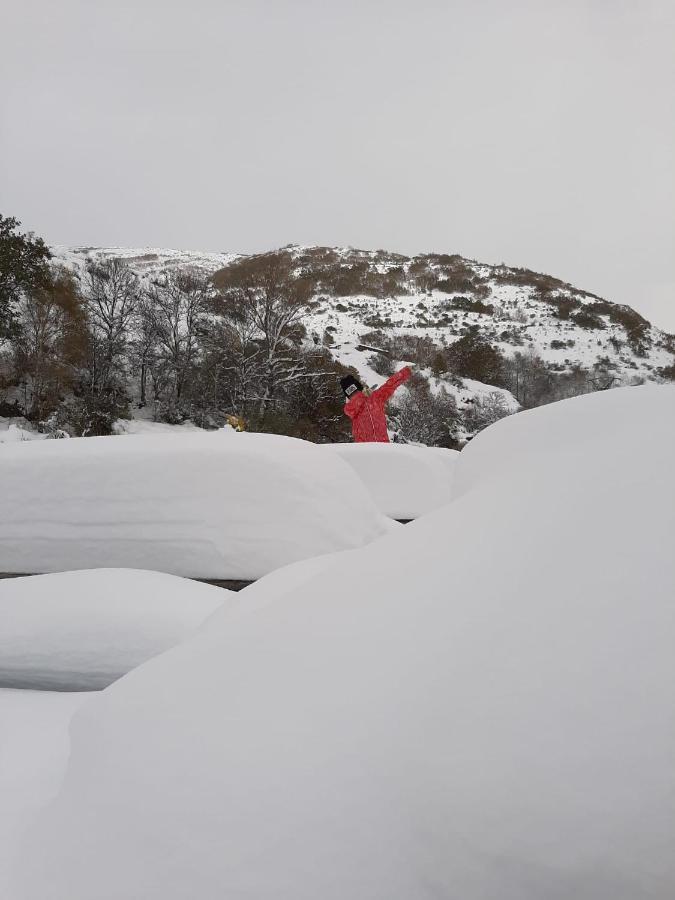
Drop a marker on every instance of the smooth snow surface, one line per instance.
(79, 631)
(405, 481)
(34, 748)
(479, 706)
(204, 505)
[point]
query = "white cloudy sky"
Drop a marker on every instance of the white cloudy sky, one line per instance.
(536, 133)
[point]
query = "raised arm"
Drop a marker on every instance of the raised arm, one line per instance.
(384, 393)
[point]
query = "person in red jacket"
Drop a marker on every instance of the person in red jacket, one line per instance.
(366, 409)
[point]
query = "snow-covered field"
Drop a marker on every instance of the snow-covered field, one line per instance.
(477, 705)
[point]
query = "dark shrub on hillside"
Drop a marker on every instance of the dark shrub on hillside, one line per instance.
(382, 364)
(468, 305)
(587, 319)
(403, 347)
(413, 348)
(456, 283)
(619, 314)
(474, 357)
(376, 339)
(377, 321)
(360, 278)
(527, 278)
(452, 260)
(442, 272)
(563, 307)
(350, 279)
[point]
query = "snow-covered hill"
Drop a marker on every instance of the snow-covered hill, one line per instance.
(375, 310)
(146, 262)
(439, 296)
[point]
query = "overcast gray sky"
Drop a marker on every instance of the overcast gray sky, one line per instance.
(540, 134)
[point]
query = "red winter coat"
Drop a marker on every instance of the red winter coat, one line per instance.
(367, 413)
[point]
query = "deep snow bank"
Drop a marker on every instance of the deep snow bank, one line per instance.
(404, 481)
(34, 748)
(205, 505)
(479, 706)
(79, 631)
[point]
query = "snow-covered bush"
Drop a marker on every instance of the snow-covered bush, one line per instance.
(198, 504)
(486, 409)
(90, 415)
(79, 631)
(425, 417)
(478, 706)
(405, 481)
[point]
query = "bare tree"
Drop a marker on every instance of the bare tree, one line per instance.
(273, 298)
(52, 342)
(236, 353)
(426, 417)
(112, 294)
(144, 343)
(177, 304)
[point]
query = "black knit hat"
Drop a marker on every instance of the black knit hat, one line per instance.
(350, 385)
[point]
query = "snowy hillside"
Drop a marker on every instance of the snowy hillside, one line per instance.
(438, 296)
(148, 262)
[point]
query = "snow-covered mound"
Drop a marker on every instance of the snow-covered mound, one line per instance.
(16, 432)
(80, 631)
(34, 749)
(205, 505)
(479, 706)
(405, 481)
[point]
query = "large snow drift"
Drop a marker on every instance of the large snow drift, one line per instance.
(34, 748)
(405, 481)
(205, 505)
(479, 706)
(79, 631)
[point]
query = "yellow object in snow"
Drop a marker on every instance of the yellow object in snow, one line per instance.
(236, 422)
